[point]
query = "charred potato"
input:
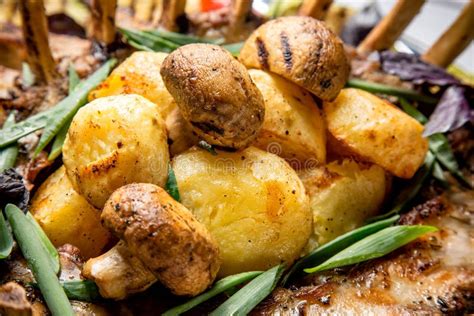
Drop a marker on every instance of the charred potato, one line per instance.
(215, 94)
(293, 127)
(363, 125)
(165, 236)
(302, 50)
(138, 74)
(114, 141)
(67, 218)
(342, 196)
(252, 202)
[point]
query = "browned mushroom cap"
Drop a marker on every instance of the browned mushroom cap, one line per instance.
(301, 49)
(215, 94)
(165, 236)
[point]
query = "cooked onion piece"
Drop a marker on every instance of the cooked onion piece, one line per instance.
(374, 130)
(343, 195)
(165, 236)
(293, 127)
(215, 94)
(114, 141)
(67, 218)
(252, 202)
(301, 49)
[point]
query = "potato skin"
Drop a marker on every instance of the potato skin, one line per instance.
(343, 194)
(67, 218)
(138, 74)
(114, 141)
(302, 50)
(251, 201)
(293, 127)
(215, 94)
(374, 130)
(165, 236)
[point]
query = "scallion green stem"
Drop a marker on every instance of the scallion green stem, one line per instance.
(8, 154)
(6, 239)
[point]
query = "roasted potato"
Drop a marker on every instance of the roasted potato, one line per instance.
(138, 74)
(215, 94)
(114, 141)
(67, 218)
(293, 127)
(302, 50)
(362, 125)
(165, 236)
(251, 201)
(180, 134)
(343, 194)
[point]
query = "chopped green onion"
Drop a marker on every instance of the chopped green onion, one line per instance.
(171, 185)
(221, 286)
(152, 42)
(38, 261)
(73, 79)
(46, 243)
(412, 111)
(321, 254)
(81, 290)
(8, 154)
(374, 246)
(6, 239)
(245, 299)
(205, 145)
(28, 77)
(390, 90)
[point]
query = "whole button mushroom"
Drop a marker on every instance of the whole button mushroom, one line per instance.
(302, 50)
(215, 94)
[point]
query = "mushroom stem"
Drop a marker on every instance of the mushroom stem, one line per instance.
(172, 13)
(240, 10)
(317, 9)
(454, 40)
(391, 27)
(35, 34)
(103, 20)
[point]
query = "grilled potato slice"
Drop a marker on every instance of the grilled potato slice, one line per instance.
(67, 218)
(362, 125)
(251, 201)
(138, 74)
(293, 127)
(115, 141)
(343, 194)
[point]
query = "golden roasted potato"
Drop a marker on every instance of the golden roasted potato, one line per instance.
(165, 236)
(114, 141)
(302, 50)
(138, 74)
(215, 94)
(342, 196)
(67, 218)
(293, 127)
(363, 125)
(251, 201)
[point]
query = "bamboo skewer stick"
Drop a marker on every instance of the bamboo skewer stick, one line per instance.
(103, 20)
(172, 12)
(317, 9)
(240, 11)
(391, 26)
(143, 10)
(454, 40)
(35, 34)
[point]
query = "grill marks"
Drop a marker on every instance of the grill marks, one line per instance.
(262, 53)
(286, 50)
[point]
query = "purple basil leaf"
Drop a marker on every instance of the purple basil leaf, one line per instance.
(409, 67)
(452, 112)
(359, 25)
(13, 190)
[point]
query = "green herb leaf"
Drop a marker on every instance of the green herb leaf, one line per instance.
(46, 243)
(6, 239)
(234, 48)
(8, 154)
(68, 107)
(374, 246)
(28, 77)
(242, 302)
(81, 290)
(182, 39)
(73, 79)
(439, 175)
(205, 145)
(390, 90)
(171, 185)
(38, 261)
(220, 287)
(152, 42)
(412, 111)
(321, 254)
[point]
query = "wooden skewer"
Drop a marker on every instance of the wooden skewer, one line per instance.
(240, 11)
(172, 11)
(391, 26)
(35, 34)
(454, 40)
(8, 10)
(143, 10)
(317, 9)
(103, 20)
